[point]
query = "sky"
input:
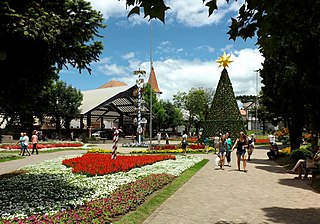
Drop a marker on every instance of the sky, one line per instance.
(184, 49)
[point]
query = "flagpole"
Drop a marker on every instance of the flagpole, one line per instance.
(150, 122)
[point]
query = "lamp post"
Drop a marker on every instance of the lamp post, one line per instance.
(139, 83)
(257, 72)
(150, 122)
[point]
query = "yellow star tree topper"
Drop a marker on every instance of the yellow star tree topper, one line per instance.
(224, 60)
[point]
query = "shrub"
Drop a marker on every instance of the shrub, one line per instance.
(285, 151)
(304, 152)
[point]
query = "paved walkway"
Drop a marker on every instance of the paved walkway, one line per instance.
(14, 165)
(266, 194)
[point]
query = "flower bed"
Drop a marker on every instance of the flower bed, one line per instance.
(174, 147)
(164, 147)
(190, 139)
(127, 198)
(107, 151)
(101, 164)
(166, 151)
(262, 141)
(196, 146)
(43, 145)
(49, 187)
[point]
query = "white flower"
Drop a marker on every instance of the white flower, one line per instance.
(49, 186)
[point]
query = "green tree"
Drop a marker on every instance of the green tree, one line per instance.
(158, 112)
(64, 101)
(288, 36)
(38, 39)
(224, 113)
(197, 103)
(173, 116)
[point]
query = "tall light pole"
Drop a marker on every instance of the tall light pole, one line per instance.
(257, 99)
(150, 122)
(139, 83)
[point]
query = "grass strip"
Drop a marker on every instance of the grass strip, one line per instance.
(8, 157)
(147, 208)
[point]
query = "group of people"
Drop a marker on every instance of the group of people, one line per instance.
(24, 143)
(244, 146)
(159, 136)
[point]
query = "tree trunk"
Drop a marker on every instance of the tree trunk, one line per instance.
(295, 133)
(58, 128)
(314, 141)
(263, 126)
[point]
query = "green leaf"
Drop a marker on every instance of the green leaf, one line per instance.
(135, 10)
(212, 5)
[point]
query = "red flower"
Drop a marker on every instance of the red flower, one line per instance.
(101, 164)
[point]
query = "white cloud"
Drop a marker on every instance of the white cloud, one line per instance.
(206, 48)
(118, 9)
(110, 8)
(188, 12)
(112, 70)
(176, 75)
(129, 55)
(194, 14)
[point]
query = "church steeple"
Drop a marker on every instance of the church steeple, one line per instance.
(154, 82)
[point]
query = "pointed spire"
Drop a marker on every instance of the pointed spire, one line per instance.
(155, 86)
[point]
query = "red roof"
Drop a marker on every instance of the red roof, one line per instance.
(112, 83)
(155, 86)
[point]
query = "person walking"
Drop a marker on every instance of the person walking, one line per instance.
(167, 138)
(229, 143)
(20, 142)
(241, 144)
(216, 141)
(184, 143)
(34, 141)
(71, 135)
(251, 141)
(206, 144)
(159, 137)
(222, 147)
(25, 142)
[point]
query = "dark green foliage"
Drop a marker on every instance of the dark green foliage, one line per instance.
(288, 36)
(301, 153)
(38, 39)
(224, 113)
(64, 102)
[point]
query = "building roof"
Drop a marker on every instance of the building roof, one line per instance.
(110, 101)
(113, 83)
(153, 78)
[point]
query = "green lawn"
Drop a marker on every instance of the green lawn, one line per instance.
(8, 156)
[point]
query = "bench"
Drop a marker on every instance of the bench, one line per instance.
(314, 172)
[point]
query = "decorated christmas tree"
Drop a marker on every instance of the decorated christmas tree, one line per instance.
(224, 113)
